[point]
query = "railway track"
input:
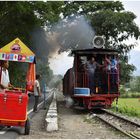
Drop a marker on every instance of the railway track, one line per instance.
(125, 126)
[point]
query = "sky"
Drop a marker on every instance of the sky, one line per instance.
(134, 59)
(61, 63)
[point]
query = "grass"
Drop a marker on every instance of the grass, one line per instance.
(129, 106)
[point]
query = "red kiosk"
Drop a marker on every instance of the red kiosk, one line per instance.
(13, 102)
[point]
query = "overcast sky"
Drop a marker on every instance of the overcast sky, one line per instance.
(61, 63)
(134, 6)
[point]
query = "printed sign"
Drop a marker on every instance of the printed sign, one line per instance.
(0, 55)
(11, 56)
(7, 56)
(17, 57)
(23, 58)
(15, 48)
(3, 56)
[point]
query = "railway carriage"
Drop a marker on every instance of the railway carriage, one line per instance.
(104, 87)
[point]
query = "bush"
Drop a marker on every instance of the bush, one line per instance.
(129, 111)
(122, 90)
(130, 95)
(135, 95)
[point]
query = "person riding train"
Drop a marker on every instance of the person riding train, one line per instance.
(111, 63)
(112, 70)
(90, 67)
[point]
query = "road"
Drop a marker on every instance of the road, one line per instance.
(13, 132)
(73, 123)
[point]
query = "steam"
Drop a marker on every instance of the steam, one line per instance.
(74, 33)
(69, 101)
(41, 45)
(67, 34)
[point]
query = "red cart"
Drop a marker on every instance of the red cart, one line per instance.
(13, 103)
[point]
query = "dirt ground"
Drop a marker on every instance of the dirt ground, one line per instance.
(73, 124)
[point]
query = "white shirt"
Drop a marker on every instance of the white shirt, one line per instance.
(36, 85)
(5, 78)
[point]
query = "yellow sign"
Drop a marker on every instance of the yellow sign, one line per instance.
(16, 47)
(17, 51)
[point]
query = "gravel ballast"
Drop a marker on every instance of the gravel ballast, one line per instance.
(72, 124)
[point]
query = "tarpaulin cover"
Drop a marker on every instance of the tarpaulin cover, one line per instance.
(16, 50)
(30, 77)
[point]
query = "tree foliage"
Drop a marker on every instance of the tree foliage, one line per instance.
(108, 19)
(20, 19)
(134, 84)
(126, 72)
(56, 81)
(44, 70)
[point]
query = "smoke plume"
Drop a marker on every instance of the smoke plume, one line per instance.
(74, 33)
(67, 34)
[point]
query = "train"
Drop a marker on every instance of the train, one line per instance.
(96, 89)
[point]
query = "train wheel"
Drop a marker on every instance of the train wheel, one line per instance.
(27, 127)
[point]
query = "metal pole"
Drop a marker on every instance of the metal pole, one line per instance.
(44, 91)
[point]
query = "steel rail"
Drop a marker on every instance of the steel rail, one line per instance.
(129, 134)
(113, 126)
(125, 119)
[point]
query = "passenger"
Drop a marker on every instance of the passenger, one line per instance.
(90, 67)
(114, 64)
(82, 63)
(107, 63)
(37, 92)
(5, 82)
(114, 71)
(111, 64)
(112, 68)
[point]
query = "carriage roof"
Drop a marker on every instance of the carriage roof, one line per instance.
(95, 51)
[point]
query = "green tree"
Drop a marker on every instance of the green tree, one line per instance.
(21, 19)
(126, 72)
(108, 19)
(56, 81)
(44, 70)
(135, 84)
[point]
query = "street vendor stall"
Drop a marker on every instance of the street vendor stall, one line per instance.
(13, 102)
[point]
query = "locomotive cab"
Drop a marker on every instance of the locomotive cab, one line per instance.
(94, 84)
(105, 78)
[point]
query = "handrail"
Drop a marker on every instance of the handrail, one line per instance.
(102, 80)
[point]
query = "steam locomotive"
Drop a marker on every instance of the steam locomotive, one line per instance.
(101, 88)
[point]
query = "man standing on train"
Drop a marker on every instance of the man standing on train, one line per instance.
(91, 66)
